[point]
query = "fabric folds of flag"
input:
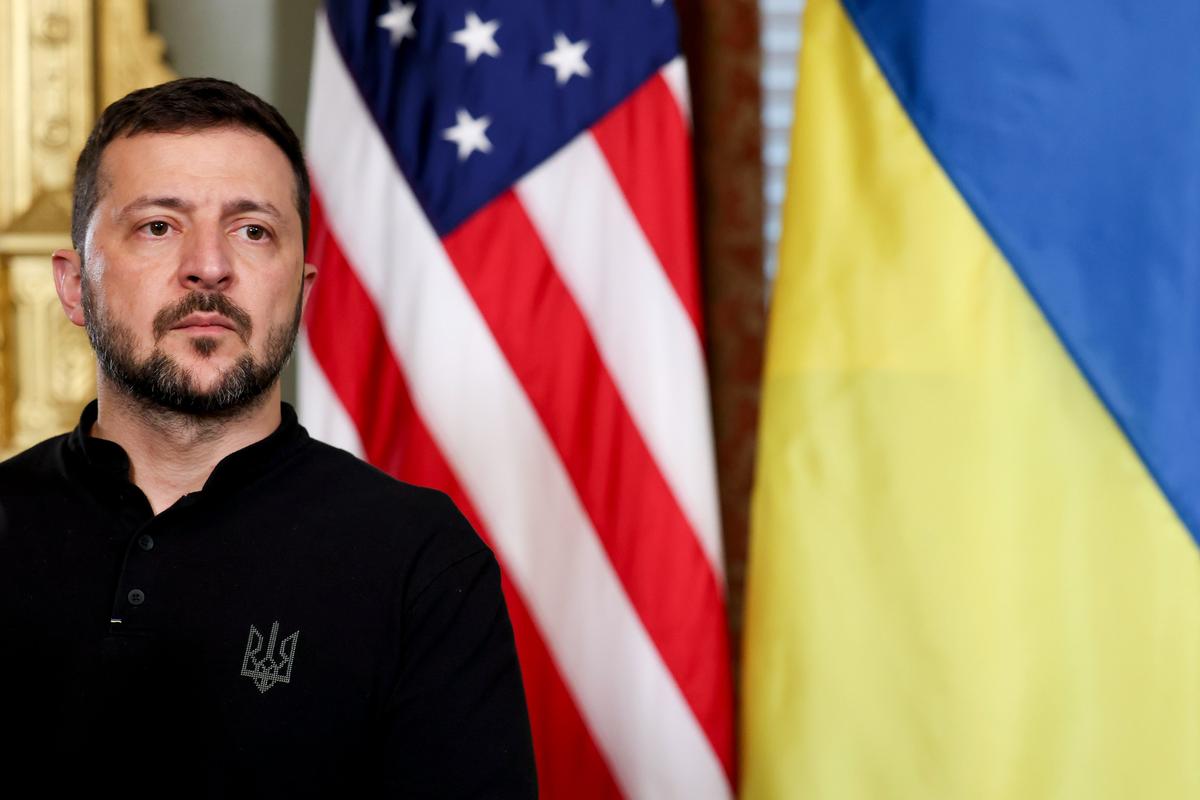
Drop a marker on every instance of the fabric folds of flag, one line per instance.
(973, 565)
(508, 309)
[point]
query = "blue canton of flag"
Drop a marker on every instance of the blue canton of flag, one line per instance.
(471, 96)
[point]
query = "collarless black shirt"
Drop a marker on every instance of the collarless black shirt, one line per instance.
(303, 626)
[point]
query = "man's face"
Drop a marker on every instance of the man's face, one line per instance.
(192, 281)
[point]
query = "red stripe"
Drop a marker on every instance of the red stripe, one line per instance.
(569, 765)
(350, 345)
(652, 548)
(348, 341)
(649, 148)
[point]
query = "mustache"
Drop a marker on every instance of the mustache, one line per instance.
(207, 302)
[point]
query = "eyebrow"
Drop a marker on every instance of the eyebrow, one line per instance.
(243, 205)
(145, 201)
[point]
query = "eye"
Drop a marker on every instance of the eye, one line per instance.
(255, 233)
(158, 228)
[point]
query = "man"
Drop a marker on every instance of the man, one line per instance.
(195, 597)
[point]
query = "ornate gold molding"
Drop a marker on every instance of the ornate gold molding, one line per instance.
(60, 61)
(131, 56)
(46, 97)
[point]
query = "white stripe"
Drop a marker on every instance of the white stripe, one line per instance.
(319, 409)
(487, 429)
(676, 76)
(645, 336)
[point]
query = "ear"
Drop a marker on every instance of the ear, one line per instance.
(68, 282)
(310, 275)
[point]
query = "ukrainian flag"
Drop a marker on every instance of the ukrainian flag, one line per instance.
(974, 569)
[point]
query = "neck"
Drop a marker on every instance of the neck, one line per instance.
(171, 453)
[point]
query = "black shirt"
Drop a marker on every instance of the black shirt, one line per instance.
(303, 626)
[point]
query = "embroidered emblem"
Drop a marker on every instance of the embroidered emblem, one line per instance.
(270, 667)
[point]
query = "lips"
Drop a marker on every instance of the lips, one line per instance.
(203, 313)
(205, 323)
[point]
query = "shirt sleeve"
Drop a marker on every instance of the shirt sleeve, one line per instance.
(457, 725)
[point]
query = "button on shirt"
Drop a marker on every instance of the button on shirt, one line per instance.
(303, 626)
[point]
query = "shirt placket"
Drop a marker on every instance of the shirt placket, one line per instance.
(140, 589)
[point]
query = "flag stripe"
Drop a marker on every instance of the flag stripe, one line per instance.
(647, 145)
(604, 259)
(540, 330)
(368, 377)
(568, 763)
(359, 363)
(322, 413)
(356, 358)
(467, 396)
(676, 76)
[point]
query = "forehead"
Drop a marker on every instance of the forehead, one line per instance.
(199, 166)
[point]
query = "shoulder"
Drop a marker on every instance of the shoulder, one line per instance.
(36, 468)
(345, 478)
(424, 521)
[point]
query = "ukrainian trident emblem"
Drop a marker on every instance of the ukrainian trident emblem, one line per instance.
(265, 665)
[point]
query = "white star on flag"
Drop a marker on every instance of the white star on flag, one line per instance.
(469, 134)
(567, 59)
(478, 37)
(398, 21)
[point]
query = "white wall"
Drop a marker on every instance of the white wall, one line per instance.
(262, 45)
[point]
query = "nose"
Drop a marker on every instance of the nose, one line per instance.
(206, 263)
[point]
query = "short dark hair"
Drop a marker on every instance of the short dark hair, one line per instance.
(183, 105)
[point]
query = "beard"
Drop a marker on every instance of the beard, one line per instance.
(159, 380)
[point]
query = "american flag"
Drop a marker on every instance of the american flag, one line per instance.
(508, 309)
